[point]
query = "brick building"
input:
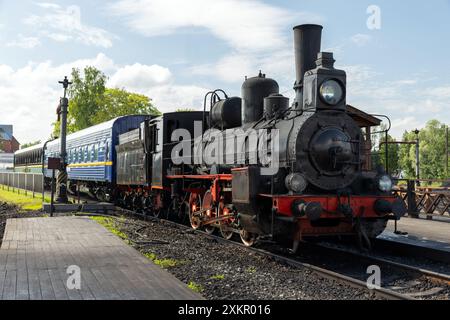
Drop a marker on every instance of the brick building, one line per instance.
(8, 144)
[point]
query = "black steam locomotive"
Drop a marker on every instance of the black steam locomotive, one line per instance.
(260, 166)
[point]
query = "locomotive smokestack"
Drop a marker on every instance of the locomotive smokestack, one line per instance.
(307, 41)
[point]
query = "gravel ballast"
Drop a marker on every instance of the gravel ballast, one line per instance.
(225, 271)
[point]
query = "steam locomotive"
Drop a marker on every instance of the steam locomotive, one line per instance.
(309, 182)
(254, 165)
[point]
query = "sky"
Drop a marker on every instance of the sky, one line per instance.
(174, 51)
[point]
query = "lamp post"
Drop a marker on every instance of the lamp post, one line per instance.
(62, 174)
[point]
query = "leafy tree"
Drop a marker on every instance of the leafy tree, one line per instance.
(29, 144)
(379, 151)
(407, 156)
(118, 102)
(90, 102)
(85, 96)
(431, 152)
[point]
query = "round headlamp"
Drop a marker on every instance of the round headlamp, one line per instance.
(331, 92)
(385, 184)
(296, 183)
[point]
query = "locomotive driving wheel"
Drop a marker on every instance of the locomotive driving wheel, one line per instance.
(224, 228)
(193, 207)
(247, 238)
(208, 209)
(226, 232)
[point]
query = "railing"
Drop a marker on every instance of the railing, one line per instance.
(432, 201)
(22, 182)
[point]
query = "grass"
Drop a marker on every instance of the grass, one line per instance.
(25, 202)
(195, 287)
(163, 263)
(218, 277)
(109, 224)
(251, 270)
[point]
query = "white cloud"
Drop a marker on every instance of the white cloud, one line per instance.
(29, 95)
(234, 67)
(48, 5)
(231, 68)
(243, 24)
(361, 39)
(443, 92)
(404, 101)
(406, 82)
(24, 42)
(59, 37)
(169, 98)
(138, 76)
(254, 30)
(65, 24)
(400, 125)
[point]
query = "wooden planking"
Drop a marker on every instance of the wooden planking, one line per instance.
(36, 253)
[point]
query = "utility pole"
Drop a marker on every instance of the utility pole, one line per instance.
(62, 174)
(417, 157)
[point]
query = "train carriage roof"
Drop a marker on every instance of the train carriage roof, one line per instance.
(32, 148)
(79, 134)
(94, 129)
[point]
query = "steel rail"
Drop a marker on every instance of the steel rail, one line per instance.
(427, 273)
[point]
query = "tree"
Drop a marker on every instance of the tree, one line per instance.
(407, 156)
(431, 152)
(118, 102)
(29, 144)
(85, 96)
(379, 150)
(91, 103)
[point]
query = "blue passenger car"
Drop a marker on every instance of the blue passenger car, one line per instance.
(91, 152)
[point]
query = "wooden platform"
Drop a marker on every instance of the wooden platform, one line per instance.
(36, 253)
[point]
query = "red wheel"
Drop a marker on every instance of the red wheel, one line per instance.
(194, 211)
(208, 210)
(225, 229)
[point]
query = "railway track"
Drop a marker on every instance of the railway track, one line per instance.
(404, 282)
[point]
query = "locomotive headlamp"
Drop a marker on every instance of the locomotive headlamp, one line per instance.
(385, 183)
(296, 182)
(331, 92)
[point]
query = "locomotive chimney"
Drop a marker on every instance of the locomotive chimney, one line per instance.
(307, 41)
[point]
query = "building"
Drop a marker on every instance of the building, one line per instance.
(8, 144)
